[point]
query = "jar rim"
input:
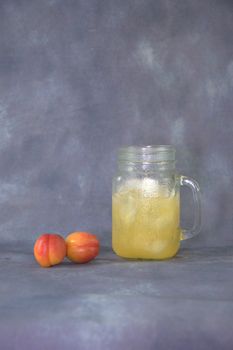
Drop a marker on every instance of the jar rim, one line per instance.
(148, 153)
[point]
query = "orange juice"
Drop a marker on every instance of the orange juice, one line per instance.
(145, 220)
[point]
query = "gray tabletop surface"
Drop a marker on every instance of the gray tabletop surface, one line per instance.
(112, 303)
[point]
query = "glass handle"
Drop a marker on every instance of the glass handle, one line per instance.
(187, 181)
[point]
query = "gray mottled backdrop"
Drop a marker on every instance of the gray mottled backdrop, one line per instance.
(79, 78)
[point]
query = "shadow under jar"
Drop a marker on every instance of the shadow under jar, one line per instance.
(146, 204)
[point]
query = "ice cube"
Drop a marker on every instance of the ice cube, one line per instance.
(147, 186)
(159, 245)
(128, 208)
(133, 184)
(150, 187)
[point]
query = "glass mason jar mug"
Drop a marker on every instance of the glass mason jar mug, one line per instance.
(146, 204)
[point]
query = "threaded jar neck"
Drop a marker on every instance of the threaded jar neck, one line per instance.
(146, 154)
(157, 157)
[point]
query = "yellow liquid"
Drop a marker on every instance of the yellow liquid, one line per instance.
(145, 225)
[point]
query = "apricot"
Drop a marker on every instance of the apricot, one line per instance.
(49, 249)
(82, 247)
